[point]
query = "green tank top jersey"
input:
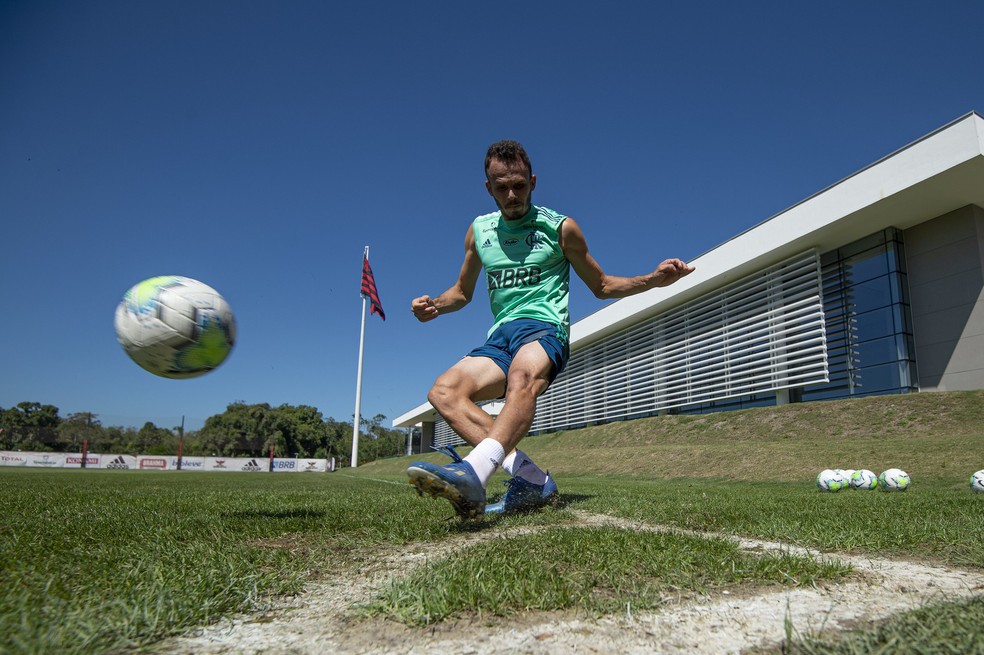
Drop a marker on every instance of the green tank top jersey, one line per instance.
(527, 273)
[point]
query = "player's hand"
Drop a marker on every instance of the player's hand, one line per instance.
(423, 308)
(672, 270)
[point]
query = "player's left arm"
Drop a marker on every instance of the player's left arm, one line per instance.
(605, 286)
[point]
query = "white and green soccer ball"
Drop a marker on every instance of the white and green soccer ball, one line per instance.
(175, 327)
(893, 480)
(977, 482)
(864, 479)
(830, 480)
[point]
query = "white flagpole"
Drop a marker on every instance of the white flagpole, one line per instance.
(358, 379)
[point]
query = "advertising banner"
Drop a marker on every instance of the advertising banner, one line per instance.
(11, 458)
(188, 463)
(74, 460)
(46, 460)
(120, 462)
(153, 463)
(312, 465)
(252, 464)
(284, 465)
(166, 462)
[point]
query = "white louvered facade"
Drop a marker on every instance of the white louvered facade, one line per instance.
(762, 333)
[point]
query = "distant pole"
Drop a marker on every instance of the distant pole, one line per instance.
(271, 458)
(358, 383)
(181, 437)
(85, 439)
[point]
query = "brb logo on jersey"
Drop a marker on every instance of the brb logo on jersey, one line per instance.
(521, 276)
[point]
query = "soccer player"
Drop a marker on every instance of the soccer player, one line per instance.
(527, 253)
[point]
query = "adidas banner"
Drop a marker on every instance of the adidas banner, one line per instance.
(251, 464)
(120, 462)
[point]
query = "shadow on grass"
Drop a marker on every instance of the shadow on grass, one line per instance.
(287, 514)
(567, 500)
(489, 521)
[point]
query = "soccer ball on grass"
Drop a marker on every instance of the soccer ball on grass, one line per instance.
(847, 473)
(977, 482)
(893, 480)
(864, 479)
(830, 480)
(175, 327)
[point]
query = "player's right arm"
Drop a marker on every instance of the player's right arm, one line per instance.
(460, 294)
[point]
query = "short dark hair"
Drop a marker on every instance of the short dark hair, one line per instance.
(507, 151)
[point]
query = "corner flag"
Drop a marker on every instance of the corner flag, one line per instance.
(369, 288)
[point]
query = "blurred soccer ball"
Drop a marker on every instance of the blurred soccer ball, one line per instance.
(175, 327)
(977, 482)
(893, 480)
(830, 480)
(864, 479)
(847, 473)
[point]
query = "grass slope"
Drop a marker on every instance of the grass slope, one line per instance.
(932, 436)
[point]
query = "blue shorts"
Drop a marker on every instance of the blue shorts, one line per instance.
(508, 338)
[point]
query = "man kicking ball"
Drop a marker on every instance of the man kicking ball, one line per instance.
(527, 253)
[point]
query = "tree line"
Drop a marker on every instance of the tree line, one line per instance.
(242, 430)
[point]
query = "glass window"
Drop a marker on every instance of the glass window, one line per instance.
(867, 265)
(874, 324)
(884, 377)
(873, 294)
(869, 242)
(879, 351)
(867, 318)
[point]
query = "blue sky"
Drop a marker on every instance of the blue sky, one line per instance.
(259, 146)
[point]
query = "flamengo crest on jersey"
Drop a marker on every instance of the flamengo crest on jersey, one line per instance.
(525, 268)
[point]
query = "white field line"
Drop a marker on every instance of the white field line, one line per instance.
(318, 621)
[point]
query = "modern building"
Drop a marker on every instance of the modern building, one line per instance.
(874, 285)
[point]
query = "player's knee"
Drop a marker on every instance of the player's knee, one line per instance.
(441, 396)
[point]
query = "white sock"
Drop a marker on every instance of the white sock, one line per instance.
(485, 458)
(519, 464)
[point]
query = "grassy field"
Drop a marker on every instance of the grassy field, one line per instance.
(104, 561)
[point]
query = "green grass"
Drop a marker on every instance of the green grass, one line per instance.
(595, 570)
(934, 519)
(941, 629)
(103, 560)
(106, 561)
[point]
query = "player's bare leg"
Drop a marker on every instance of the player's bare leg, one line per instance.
(529, 487)
(454, 394)
(529, 376)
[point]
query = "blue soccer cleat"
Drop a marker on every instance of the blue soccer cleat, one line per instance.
(524, 496)
(456, 481)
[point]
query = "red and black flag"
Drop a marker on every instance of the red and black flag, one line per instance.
(369, 289)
